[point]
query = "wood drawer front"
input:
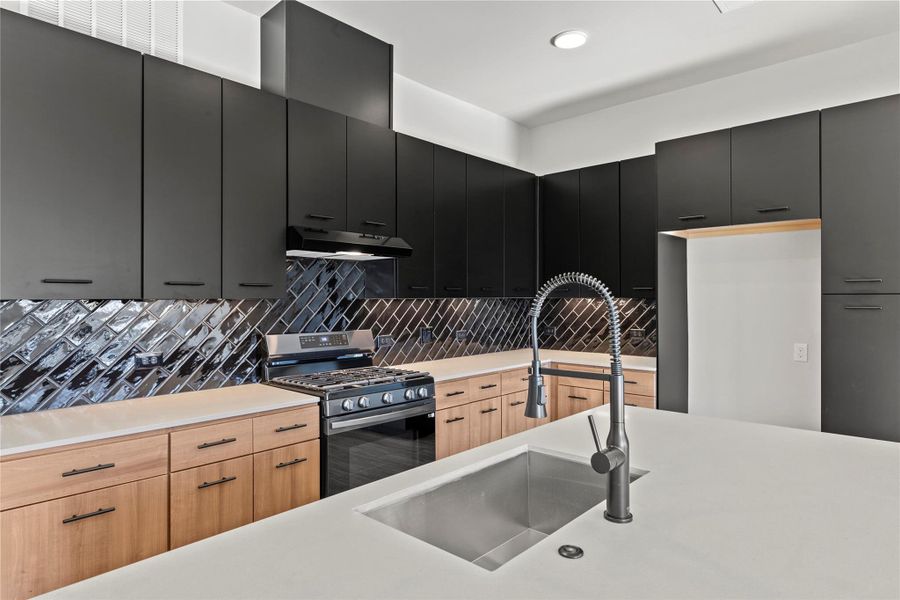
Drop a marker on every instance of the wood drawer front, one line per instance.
(49, 476)
(486, 386)
(514, 419)
(641, 383)
(452, 431)
(41, 552)
(285, 428)
(213, 443)
(210, 499)
(285, 478)
(452, 393)
(642, 401)
(591, 384)
(514, 381)
(485, 421)
(572, 400)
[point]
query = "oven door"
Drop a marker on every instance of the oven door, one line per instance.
(361, 448)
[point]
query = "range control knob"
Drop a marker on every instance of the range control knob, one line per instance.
(387, 398)
(364, 402)
(347, 404)
(410, 394)
(423, 392)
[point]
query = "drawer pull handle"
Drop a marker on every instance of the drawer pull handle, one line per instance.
(692, 217)
(56, 280)
(454, 419)
(864, 280)
(578, 397)
(862, 308)
(488, 410)
(320, 217)
(455, 393)
(218, 443)
(631, 382)
(517, 403)
(191, 283)
(486, 288)
(296, 461)
(290, 427)
(96, 513)
(88, 469)
(375, 223)
(643, 288)
(489, 386)
(259, 285)
(630, 404)
(771, 209)
(524, 379)
(421, 288)
(520, 289)
(207, 484)
(452, 288)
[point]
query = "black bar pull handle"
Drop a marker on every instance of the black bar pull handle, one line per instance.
(873, 307)
(320, 217)
(450, 288)
(578, 397)
(191, 283)
(455, 419)
(96, 513)
(64, 280)
(864, 280)
(486, 288)
(375, 223)
(296, 461)
(772, 209)
(488, 386)
(255, 285)
(643, 288)
(488, 410)
(630, 404)
(691, 217)
(419, 287)
(217, 443)
(207, 484)
(290, 427)
(631, 382)
(88, 469)
(455, 393)
(516, 403)
(524, 379)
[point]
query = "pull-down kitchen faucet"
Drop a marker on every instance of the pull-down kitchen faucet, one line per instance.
(614, 459)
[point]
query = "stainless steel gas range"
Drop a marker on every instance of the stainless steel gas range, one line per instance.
(375, 421)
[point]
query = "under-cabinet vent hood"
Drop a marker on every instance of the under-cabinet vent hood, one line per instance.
(346, 245)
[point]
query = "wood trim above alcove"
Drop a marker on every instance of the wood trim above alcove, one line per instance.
(746, 229)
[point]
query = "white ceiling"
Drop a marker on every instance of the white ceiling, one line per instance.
(497, 55)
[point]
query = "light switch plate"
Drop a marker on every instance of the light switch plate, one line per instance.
(462, 335)
(426, 335)
(801, 352)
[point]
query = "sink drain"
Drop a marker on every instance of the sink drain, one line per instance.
(570, 551)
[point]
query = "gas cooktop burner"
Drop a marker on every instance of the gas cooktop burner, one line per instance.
(344, 379)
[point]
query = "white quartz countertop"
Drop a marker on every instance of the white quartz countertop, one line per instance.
(46, 429)
(728, 510)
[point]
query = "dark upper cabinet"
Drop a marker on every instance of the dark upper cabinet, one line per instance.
(598, 223)
(693, 177)
(520, 233)
(415, 216)
(484, 230)
(182, 181)
(860, 354)
(860, 198)
(775, 170)
(559, 228)
(371, 179)
(254, 182)
(70, 176)
(317, 167)
(637, 226)
(450, 223)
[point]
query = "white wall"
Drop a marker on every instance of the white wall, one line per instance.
(750, 298)
(856, 72)
(221, 39)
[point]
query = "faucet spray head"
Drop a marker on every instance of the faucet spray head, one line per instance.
(536, 407)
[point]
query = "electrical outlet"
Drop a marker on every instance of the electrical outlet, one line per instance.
(426, 335)
(801, 352)
(147, 360)
(550, 330)
(384, 341)
(636, 335)
(461, 335)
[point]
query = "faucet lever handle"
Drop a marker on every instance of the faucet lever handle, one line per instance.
(595, 433)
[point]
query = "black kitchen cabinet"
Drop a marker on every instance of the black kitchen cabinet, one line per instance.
(559, 228)
(415, 216)
(254, 182)
(70, 176)
(775, 170)
(450, 223)
(520, 233)
(371, 179)
(182, 181)
(598, 223)
(860, 198)
(637, 226)
(693, 177)
(484, 231)
(317, 167)
(860, 354)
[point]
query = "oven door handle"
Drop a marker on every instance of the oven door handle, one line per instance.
(383, 418)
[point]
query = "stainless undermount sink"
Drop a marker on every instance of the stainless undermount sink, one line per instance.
(490, 515)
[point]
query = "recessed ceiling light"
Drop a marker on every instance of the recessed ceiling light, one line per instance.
(569, 39)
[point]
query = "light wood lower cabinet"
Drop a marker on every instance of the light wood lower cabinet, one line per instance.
(285, 478)
(485, 422)
(51, 544)
(210, 499)
(514, 420)
(452, 431)
(642, 401)
(572, 400)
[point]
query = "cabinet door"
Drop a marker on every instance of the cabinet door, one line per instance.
(559, 227)
(450, 217)
(285, 478)
(211, 499)
(485, 421)
(484, 200)
(513, 412)
(520, 239)
(573, 400)
(51, 544)
(637, 222)
(182, 181)
(371, 179)
(451, 431)
(860, 203)
(254, 183)
(415, 216)
(860, 354)
(599, 225)
(70, 164)
(317, 167)
(775, 170)
(693, 176)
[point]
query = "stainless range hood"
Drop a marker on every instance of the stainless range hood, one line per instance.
(311, 242)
